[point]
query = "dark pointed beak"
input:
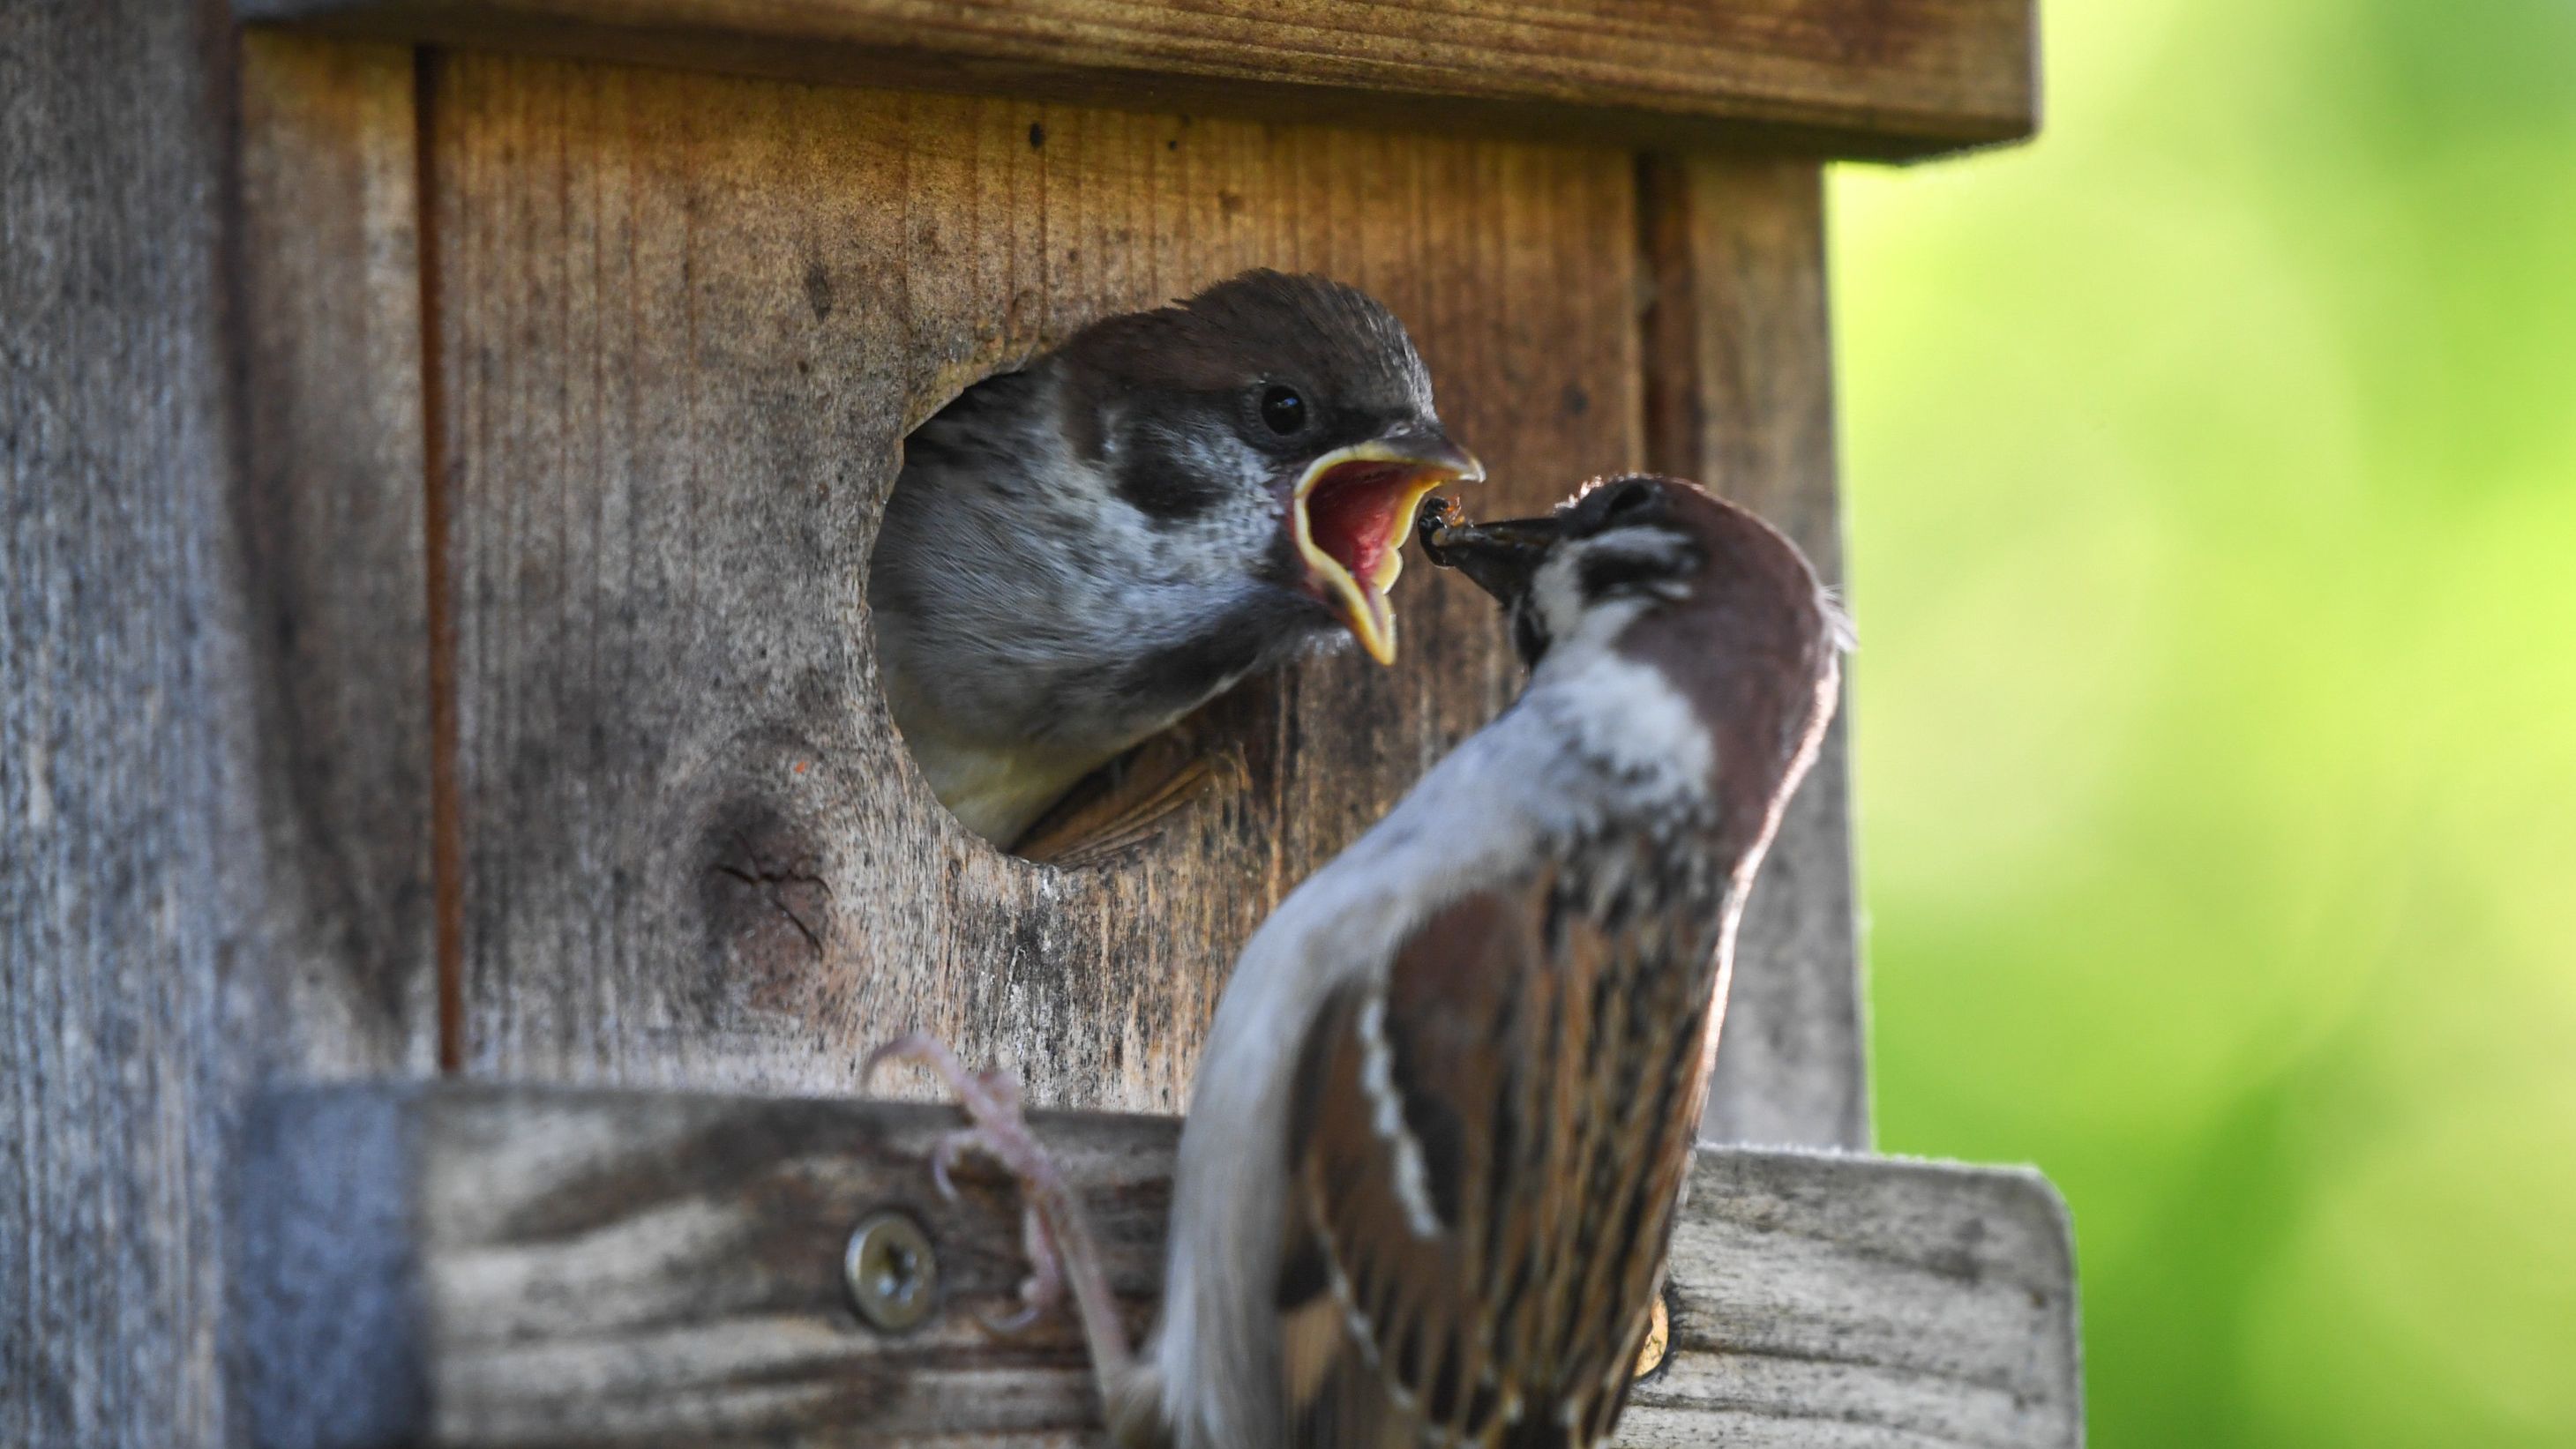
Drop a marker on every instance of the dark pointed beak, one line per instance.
(1434, 451)
(1502, 558)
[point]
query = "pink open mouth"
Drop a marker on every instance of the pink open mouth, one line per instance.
(1356, 512)
(1351, 514)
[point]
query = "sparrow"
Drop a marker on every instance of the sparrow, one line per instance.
(1444, 1117)
(1079, 553)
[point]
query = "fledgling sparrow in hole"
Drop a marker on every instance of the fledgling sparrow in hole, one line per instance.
(1443, 1119)
(1081, 552)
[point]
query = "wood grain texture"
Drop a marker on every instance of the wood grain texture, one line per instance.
(124, 822)
(584, 1268)
(192, 887)
(1853, 77)
(685, 321)
(1740, 394)
(332, 515)
(1856, 1302)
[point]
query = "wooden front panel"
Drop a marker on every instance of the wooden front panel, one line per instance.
(681, 325)
(1740, 393)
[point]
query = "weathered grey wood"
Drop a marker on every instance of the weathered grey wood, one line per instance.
(1857, 77)
(598, 1268)
(118, 678)
(328, 1312)
(1740, 393)
(190, 847)
(685, 321)
(332, 515)
(1845, 1301)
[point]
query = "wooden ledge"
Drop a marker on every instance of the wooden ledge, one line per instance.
(1878, 78)
(462, 1265)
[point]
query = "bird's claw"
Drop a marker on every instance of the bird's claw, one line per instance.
(943, 1158)
(1004, 1086)
(914, 1047)
(1043, 1289)
(991, 1100)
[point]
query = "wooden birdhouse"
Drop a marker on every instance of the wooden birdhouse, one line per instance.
(534, 399)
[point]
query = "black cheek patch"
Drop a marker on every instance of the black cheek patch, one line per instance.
(1606, 573)
(1166, 492)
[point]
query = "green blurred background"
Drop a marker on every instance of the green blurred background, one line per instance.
(2212, 471)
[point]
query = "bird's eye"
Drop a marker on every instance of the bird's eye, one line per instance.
(1283, 410)
(1629, 500)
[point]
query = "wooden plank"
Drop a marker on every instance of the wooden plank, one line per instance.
(685, 321)
(123, 820)
(1740, 393)
(332, 516)
(1850, 77)
(186, 758)
(1851, 1302)
(592, 1268)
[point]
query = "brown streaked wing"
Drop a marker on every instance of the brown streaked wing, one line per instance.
(1466, 1144)
(1394, 1130)
(1513, 1053)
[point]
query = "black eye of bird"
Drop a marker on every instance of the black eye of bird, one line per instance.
(1283, 410)
(1628, 501)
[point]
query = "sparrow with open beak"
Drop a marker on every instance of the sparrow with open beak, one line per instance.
(1444, 1117)
(1079, 553)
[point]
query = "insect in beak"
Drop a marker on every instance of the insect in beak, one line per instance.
(1502, 558)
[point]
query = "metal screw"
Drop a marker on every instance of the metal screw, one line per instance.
(892, 1274)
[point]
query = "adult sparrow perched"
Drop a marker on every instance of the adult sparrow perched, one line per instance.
(1443, 1119)
(1081, 552)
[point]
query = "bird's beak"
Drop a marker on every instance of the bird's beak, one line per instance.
(1502, 557)
(1349, 513)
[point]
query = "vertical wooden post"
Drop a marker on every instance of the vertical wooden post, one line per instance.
(329, 321)
(120, 682)
(211, 694)
(1740, 394)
